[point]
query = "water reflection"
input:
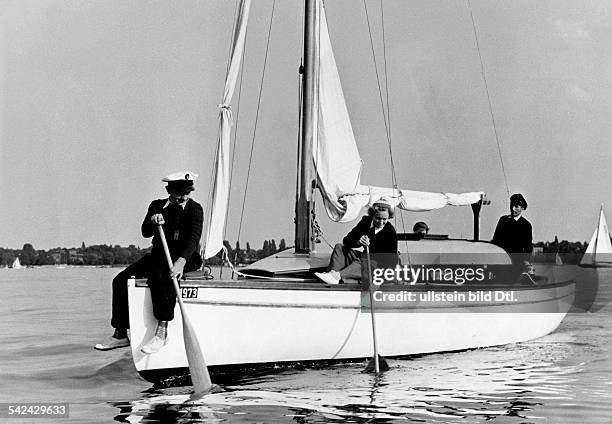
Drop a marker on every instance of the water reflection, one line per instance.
(479, 385)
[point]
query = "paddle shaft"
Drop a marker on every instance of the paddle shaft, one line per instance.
(197, 367)
(372, 312)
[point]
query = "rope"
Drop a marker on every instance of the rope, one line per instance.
(263, 74)
(382, 103)
(484, 78)
(387, 115)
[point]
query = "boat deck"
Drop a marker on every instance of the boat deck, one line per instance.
(319, 286)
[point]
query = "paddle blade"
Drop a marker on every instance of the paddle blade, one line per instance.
(197, 367)
(382, 365)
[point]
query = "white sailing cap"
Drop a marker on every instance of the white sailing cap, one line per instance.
(384, 202)
(180, 176)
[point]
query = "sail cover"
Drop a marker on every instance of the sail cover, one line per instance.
(335, 154)
(213, 237)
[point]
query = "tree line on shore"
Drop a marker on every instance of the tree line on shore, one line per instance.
(101, 254)
(108, 255)
(569, 252)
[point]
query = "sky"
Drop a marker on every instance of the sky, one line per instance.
(100, 100)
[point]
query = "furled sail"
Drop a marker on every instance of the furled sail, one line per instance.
(336, 157)
(213, 237)
(599, 250)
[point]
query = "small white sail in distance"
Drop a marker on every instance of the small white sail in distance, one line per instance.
(599, 249)
(17, 263)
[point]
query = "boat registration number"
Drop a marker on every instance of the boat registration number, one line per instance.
(189, 292)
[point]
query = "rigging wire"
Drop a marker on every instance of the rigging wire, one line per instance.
(484, 78)
(384, 44)
(385, 111)
(387, 115)
(263, 74)
(382, 103)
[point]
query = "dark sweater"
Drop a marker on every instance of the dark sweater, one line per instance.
(385, 241)
(514, 236)
(183, 228)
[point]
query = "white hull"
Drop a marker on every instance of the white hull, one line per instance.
(237, 324)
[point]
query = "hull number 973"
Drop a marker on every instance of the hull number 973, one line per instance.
(189, 292)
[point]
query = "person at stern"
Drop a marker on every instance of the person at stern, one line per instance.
(514, 234)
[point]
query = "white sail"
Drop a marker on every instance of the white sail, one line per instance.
(213, 237)
(16, 264)
(336, 157)
(599, 250)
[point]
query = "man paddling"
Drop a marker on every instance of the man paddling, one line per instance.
(182, 220)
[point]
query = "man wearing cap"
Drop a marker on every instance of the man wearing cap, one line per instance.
(181, 218)
(374, 231)
(513, 232)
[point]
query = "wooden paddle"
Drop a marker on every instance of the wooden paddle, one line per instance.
(377, 363)
(197, 367)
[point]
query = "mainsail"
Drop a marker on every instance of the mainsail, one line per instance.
(213, 237)
(599, 250)
(336, 157)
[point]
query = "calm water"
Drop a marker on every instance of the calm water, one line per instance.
(52, 318)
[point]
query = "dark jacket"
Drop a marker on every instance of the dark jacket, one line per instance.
(383, 245)
(514, 236)
(183, 229)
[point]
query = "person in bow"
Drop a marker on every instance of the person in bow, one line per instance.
(514, 233)
(375, 231)
(181, 218)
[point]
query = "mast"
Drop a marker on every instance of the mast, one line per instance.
(304, 201)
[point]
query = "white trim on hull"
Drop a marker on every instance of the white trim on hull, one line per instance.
(239, 325)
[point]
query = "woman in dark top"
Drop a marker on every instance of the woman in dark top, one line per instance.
(374, 231)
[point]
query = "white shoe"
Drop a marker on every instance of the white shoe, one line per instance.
(331, 277)
(154, 345)
(113, 343)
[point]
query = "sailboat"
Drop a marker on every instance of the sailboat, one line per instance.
(277, 312)
(16, 264)
(599, 250)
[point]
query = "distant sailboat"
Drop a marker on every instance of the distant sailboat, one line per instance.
(599, 251)
(558, 260)
(16, 264)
